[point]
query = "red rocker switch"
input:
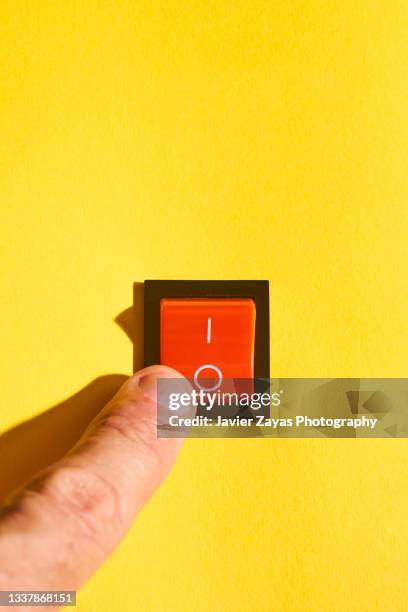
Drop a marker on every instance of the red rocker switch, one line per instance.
(208, 338)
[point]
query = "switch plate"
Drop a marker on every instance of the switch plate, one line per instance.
(157, 290)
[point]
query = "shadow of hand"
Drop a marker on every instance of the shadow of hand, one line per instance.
(31, 446)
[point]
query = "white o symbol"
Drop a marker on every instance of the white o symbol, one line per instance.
(208, 366)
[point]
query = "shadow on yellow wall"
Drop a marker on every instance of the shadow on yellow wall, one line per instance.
(31, 446)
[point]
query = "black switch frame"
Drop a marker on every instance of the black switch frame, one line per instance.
(258, 290)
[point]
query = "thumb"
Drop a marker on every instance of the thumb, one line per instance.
(62, 526)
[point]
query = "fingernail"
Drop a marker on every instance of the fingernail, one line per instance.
(148, 385)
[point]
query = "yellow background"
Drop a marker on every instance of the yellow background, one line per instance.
(192, 139)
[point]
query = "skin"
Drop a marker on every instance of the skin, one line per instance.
(58, 529)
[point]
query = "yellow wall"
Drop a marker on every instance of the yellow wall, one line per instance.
(215, 139)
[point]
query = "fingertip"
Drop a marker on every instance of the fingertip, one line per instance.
(158, 371)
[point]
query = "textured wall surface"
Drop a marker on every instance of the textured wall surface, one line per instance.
(214, 139)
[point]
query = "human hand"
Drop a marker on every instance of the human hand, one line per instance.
(57, 530)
